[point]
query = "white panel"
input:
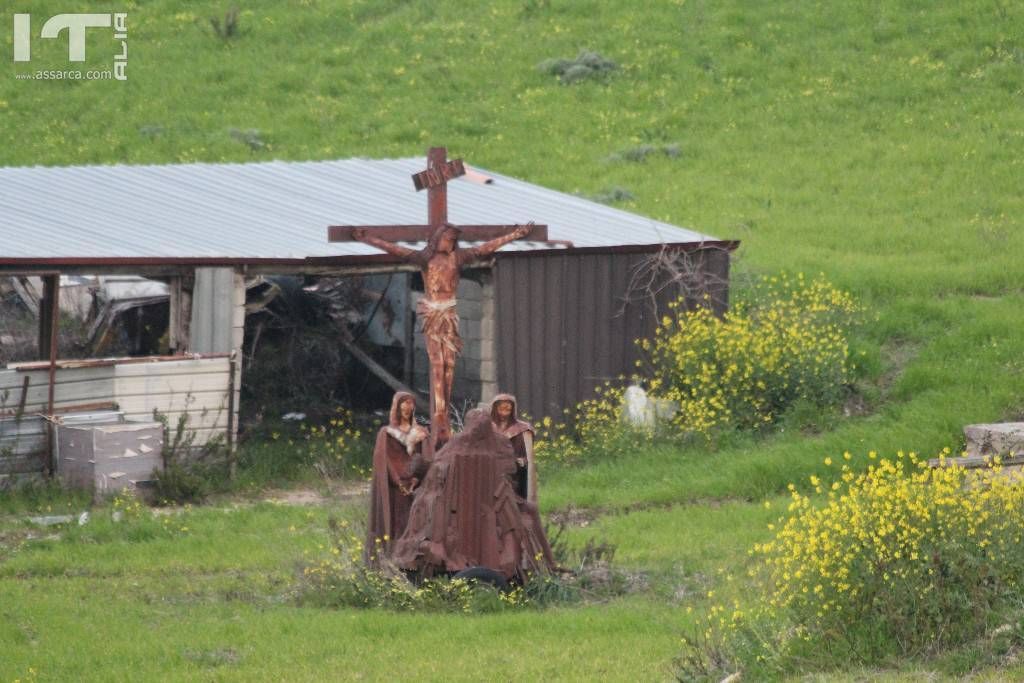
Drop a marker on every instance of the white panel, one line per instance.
(212, 304)
(197, 419)
(176, 367)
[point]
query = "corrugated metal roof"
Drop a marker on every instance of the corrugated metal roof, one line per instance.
(274, 210)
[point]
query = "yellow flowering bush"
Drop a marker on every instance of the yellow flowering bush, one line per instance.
(786, 343)
(593, 426)
(901, 557)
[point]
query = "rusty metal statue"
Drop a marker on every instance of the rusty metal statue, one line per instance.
(441, 261)
(505, 417)
(394, 479)
(466, 514)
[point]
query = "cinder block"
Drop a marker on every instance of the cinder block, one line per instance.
(471, 350)
(487, 329)
(470, 310)
(488, 371)
(469, 329)
(488, 390)
(109, 457)
(468, 290)
(487, 349)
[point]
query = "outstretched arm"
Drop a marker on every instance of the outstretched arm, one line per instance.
(489, 247)
(363, 236)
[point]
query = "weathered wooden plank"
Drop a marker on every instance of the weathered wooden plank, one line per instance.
(179, 367)
(145, 403)
(24, 446)
(21, 464)
(174, 384)
(197, 419)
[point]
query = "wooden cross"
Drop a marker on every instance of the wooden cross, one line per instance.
(435, 181)
(440, 262)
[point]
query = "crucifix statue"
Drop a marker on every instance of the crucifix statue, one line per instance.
(440, 261)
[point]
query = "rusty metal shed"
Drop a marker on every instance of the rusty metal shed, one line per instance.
(554, 317)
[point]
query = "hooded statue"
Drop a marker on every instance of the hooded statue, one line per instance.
(393, 481)
(467, 514)
(521, 434)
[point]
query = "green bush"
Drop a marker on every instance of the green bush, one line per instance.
(901, 560)
(787, 344)
(781, 355)
(190, 472)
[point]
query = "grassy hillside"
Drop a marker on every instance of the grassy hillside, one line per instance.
(881, 145)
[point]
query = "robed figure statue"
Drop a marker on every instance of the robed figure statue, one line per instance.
(393, 478)
(467, 514)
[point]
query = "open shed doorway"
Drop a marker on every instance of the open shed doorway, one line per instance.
(314, 344)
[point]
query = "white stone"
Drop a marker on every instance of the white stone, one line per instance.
(637, 410)
(1004, 438)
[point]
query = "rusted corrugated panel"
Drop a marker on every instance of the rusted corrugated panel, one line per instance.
(567, 322)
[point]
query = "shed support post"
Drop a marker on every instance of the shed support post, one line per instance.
(180, 304)
(409, 334)
(50, 312)
(488, 335)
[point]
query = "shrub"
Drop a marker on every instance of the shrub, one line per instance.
(902, 557)
(229, 27)
(899, 560)
(343, 579)
(786, 344)
(640, 153)
(190, 472)
(587, 66)
(612, 195)
(595, 427)
(782, 353)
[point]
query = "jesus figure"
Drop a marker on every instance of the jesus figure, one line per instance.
(441, 262)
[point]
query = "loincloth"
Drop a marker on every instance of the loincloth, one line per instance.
(440, 323)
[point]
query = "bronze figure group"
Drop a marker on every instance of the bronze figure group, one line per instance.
(443, 503)
(474, 504)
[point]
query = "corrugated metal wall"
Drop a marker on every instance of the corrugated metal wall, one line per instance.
(214, 300)
(568, 322)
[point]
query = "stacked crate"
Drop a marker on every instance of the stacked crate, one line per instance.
(109, 457)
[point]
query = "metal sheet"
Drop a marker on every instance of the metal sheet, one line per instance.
(275, 210)
(564, 325)
(212, 318)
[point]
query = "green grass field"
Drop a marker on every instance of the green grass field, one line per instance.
(882, 145)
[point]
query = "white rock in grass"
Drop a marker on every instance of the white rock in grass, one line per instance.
(1002, 438)
(637, 409)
